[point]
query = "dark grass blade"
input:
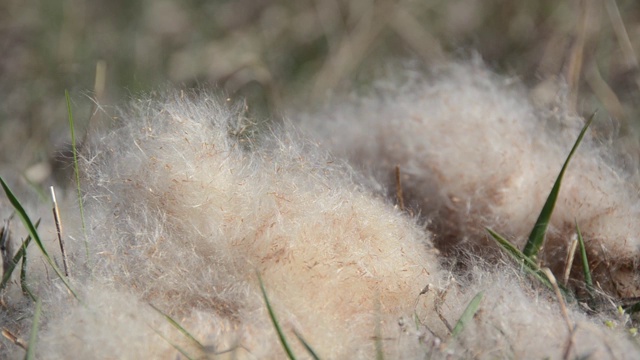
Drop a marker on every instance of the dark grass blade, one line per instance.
(179, 327)
(34, 234)
(585, 262)
(77, 172)
(175, 346)
(5, 244)
(378, 338)
(31, 349)
(274, 320)
(16, 259)
(468, 314)
(306, 345)
(536, 238)
(23, 272)
(529, 265)
(633, 308)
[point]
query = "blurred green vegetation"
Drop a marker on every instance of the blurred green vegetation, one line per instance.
(277, 53)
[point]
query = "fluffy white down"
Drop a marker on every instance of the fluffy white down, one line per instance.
(185, 212)
(185, 206)
(475, 153)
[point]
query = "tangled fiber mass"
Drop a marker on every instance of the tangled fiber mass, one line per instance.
(186, 205)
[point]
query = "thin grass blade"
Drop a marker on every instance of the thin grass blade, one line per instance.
(77, 172)
(306, 345)
(518, 256)
(468, 314)
(16, 259)
(585, 262)
(28, 224)
(633, 308)
(31, 349)
(274, 320)
(378, 338)
(179, 327)
(175, 346)
(536, 238)
(529, 265)
(23, 272)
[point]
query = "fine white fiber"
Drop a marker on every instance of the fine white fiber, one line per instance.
(187, 202)
(186, 210)
(474, 152)
(514, 321)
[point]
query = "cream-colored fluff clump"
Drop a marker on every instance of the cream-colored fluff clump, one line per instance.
(474, 153)
(187, 206)
(514, 321)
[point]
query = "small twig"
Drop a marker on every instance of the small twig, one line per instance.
(604, 92)
(569, 260)
(399, 194)
(56, 217)
(14, 339)
(442, 294)
(563, 306)
(628, 53)
(353, 47)
(576, 55)
(417, 37)
(569, 345)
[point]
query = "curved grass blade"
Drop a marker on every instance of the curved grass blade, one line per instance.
(378, 332)
(179, 327)
(632, 309)
(34, 234)
(536, 238)
(468, 314)
(16, 259)
(77, 172)
(31, 349)
(585, 262)
(274, 320)
(23, 272)
(306, 345)
(175, 346)
(5, 244)
(529, 265)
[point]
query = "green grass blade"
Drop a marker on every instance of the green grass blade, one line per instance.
(633, 308)
(306, 345)
(536, 238)
(274, 320)
(34, 234)
(23, 272)
(77, 172)
(179, 327)
(468, 314)
(585, 262)
(31, 349)
(519, 256)
(378, 332)
(529, 265)
(16, 259)
(175, 346)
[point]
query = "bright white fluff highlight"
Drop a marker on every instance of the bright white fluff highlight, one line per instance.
(185, 211)
(475, 153)
(516, 322)
(186, 204)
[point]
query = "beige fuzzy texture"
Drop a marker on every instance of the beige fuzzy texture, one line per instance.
(185, 205)
(475, 153)
(514, 321)
(185, 213)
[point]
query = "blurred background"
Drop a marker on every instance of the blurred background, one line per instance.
(279, 54)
